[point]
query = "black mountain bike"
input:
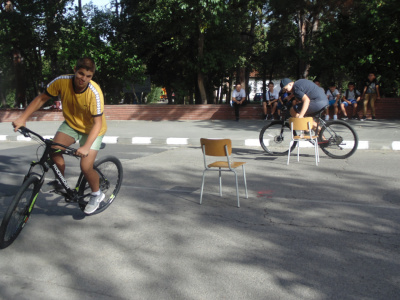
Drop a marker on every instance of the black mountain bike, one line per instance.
(336, 138)
(110, 173)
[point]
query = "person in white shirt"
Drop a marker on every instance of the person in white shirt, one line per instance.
(238, 99)
(333, 96)
(271, 100)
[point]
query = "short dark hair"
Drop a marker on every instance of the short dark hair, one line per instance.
(271, 83)
(86, 63)
(351, 83)
(332, 84)
(316, 80)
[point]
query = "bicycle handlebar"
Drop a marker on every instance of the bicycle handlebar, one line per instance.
(27, 132)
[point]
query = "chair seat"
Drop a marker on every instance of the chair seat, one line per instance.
(224, 164)
(306, 137)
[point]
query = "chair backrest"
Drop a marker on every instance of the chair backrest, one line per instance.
(301, 123)
(216, 147)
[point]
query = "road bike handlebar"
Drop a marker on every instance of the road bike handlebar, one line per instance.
(26, 132)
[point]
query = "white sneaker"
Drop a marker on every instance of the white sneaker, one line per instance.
(326, 118)
(94, 203)
(335, 117)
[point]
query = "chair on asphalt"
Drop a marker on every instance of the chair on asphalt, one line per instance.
(303, 125)
(221, 147)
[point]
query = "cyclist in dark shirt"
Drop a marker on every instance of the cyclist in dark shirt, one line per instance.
(311, 98)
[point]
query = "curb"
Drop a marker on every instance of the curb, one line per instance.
(173, 141)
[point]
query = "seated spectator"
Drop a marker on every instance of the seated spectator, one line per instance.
(317, 82)
(238, 99)
(333, 96)
(271, 100)
(350, 98)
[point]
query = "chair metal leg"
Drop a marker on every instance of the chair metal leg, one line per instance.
(220, 183)
(290, 147)
(237, 188)
(298, 150)
(245, 183)
(202, 186)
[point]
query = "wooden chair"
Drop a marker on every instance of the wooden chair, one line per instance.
(221, 147)
(304, 124)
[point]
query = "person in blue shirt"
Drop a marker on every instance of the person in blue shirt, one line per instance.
(350, 98)
(333, 96)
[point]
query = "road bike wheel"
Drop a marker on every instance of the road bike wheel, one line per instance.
(110, 173)
(338, 139)
(275, 139)
(18, 212)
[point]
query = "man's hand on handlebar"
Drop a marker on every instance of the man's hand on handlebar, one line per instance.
(17, 124)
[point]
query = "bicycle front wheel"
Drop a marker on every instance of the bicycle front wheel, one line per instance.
(275, 138)
(18, 212)
(338, 139)
(110, 173)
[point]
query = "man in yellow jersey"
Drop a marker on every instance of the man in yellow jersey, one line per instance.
(83, 107)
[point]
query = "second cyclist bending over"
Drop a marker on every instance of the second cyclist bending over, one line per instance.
(311, 98)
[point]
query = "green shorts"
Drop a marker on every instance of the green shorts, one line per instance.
(79, 136)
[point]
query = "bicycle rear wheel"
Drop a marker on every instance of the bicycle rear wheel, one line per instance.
(18, 212)
(110, 173)
(338, 139)
(275, 138)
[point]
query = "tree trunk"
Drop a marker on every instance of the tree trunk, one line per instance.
(221, 94)
(20, 84)
(202, 90)
(231, 87)
(200, 75)
(80, 14)
(218, 92)
(191, 96)
(169, 93)
(264, 85)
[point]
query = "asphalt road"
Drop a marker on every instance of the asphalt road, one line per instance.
(305, 232)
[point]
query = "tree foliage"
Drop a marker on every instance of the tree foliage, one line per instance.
(194, 47)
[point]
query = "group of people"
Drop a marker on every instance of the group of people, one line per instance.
(316, 94)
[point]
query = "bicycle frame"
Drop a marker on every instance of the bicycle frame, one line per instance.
(46, 163)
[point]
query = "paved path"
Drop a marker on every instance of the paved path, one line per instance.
(291, 239)
(373, 135)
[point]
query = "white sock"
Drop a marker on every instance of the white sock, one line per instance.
(335, 117)
(96, 193)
